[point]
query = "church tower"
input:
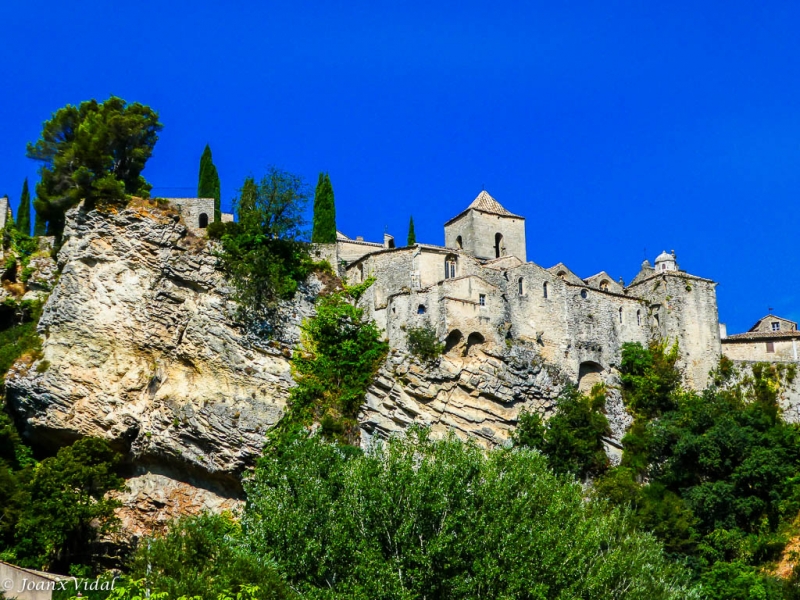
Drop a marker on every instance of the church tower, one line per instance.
(487, 230)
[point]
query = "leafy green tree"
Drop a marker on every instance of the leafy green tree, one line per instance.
(262, 253)
(66, 507)
(412, 237)
(572, 439)
(324, 224)
(339, 356)
(415, 518)
(203, 556)
(24, 211)
(208, 185)
(94, 152)
(649, 377)
(424, 343)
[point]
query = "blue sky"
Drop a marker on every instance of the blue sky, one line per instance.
(616, 128)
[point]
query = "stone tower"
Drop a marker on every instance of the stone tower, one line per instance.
(5, 209)
(487, 230)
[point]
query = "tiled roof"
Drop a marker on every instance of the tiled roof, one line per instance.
(485, 203)
(762, 335)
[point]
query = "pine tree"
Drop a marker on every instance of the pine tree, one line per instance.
(412, 237)
(324, 227)
(24, 210)
(208, 185)
(39, 223)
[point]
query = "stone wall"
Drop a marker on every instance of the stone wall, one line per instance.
(478, 229)
(784, 350)
(5, 207)
(191, 210)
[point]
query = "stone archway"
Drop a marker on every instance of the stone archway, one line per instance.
(589, 374)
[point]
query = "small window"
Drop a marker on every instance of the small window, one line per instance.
(604, 285)
(638, 317)
(482, 299)
(657, 320)
(776, 326)
(544, 289)
(520, 286)
(203, 221)
(620, 314)
(421, 309)
(562, 275)
(499, 247)
(459, 243)
(584, 293)
(450, 267)
(770, 347)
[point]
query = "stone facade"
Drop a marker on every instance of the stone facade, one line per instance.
(771, 339)
(5, 211)
(197, 213)
(480, 294)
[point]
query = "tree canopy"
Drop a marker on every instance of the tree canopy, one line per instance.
(208, 185)
(412, 237)
(95, 152)
(324, 224)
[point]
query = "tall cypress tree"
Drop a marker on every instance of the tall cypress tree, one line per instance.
(208, 182)
(324, 225)
(412, 237)
(24, 210)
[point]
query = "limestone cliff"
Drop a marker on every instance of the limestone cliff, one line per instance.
(140, 348)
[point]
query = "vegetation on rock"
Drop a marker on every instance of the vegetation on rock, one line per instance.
(423, 342)
(94, 152)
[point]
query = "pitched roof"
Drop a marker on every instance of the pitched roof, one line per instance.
(771, 317)
(485, 203)
(762, 335)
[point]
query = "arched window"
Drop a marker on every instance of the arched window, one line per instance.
(544, 289)
(584, 293)
(604, 285)
(620, 314)
(638, 317)
(459, 243)
(520, 286)
(421, 309)
(449, 266)
(360, 273)
(656, 320)
(562, 275)
(203, 220)
(499, 249)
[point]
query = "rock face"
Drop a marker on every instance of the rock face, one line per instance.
(139, 347)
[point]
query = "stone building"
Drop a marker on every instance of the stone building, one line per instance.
(5, 211)
(771, 339)
(197, 213)
(479, 292)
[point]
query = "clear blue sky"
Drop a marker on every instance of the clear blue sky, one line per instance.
(612, 126)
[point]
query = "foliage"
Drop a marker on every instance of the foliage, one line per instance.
(208, 185)
(572, 439)
(95, 151)
(339, 356)
(262, 252)
(415, 518)
(324, 226)
(133, 589)
(203, 556)
(713, 475)
(66, 507)
(24, 211)
(424, 343)
(412, 237)
(20, 335)
(649, 377)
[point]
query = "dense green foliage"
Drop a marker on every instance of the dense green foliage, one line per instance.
(95, 151)
(412, 237)
(339, 355)
(414, 518)
(714, 475)
(572, 439)
(262, 253)
(324, 225)
(203, 556)
(19, 336)
(424, 343)
(23, 221)
(208, 185)
(39, 223)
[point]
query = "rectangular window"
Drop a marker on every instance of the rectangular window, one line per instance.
(776, 326)
(482, 299)
(770, 347)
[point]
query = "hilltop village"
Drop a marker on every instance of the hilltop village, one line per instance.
(480, 290)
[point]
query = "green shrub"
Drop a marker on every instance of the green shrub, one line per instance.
(424, 343)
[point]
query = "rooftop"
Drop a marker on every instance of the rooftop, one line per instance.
(485, 203)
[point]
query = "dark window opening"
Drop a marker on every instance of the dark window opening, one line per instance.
(203, 220)
(544, 289)
(499, 249)
(459, 243)
(520, 286)
(482, 299)
(421, 309)
(776, 326)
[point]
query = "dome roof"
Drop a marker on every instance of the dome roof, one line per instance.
(664, 256)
